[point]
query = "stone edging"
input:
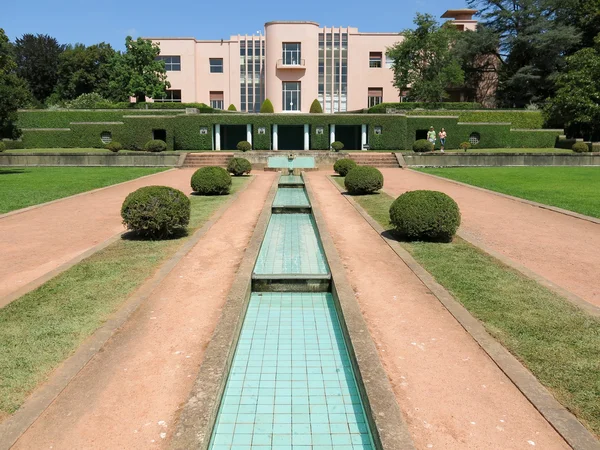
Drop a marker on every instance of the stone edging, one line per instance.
(29, 208)
(389, 425)
(195, 423)
(13, 427)
(565, 423)
(522, 200)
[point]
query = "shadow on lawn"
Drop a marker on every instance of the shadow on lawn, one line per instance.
(135, 236)
(12, 171)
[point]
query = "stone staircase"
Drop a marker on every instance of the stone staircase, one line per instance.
(204, 159)
(374, 159)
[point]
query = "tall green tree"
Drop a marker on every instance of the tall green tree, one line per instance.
(576, 104)
(532, 46)
(14, 92)
(37, 59)
(137, 72)
(584, 15)
(423, 62)
(83, 70)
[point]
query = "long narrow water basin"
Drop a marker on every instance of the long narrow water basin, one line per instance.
(291, 385)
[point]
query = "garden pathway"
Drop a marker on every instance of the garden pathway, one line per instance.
(453, 396)
(560, 248)
(38, 241)
(128, 396)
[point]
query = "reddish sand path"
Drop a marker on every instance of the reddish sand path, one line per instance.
(35, 242)
(128, 396)
(562, 249)
(452, 394)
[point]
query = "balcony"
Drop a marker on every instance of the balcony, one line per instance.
(295, 65)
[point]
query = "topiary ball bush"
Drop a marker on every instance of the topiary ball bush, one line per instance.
(343, 166)
(211, 180)
(155, 145)
(425, 215)
(2, 146)
(580, 147)
(422, 145)
(464, 146)
(363, 180)
(239, 166)
(156, 211)
(337, 146)
(244, 146)
(114, 146)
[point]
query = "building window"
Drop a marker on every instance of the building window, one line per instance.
(216, 99)
(291, 54)
(216, 65)
(375, 59)
(171, 96)
(389, 62)
(172, 63)
(291, 96)
(375, 96)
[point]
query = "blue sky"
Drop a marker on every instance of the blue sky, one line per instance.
(90, 22)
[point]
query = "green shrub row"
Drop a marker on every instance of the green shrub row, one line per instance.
(517, 118)
(63, 119)
(398, 132)
(382, 107)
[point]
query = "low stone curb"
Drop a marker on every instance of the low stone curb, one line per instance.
(565, 423)
(13, 427)
(522, 200)
(387, 420)
(194, 425)
(29, 208)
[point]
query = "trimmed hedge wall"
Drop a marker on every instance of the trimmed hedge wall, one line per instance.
(382, 107)
(517, 119)
(134, 128)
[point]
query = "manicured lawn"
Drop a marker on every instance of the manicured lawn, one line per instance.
(557, 342)
(42, 328)
(573, 188)
(21, 187)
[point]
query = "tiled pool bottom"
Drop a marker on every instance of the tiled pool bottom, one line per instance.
(291, 197)
(291, 385)
(291, 246)
(290, 179)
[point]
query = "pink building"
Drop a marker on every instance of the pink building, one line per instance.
(291, 64)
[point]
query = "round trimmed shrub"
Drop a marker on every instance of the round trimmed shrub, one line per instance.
(425, 215)
(114, 146)
(232, 108)
(465, 146)
(267, 107)
(244, 146)
(337, 146)
(343, 166)
(239, 166)
(156, 211)
(580, 147)
(422, 145)
(315, 107)
(211, 180)
(363, 180)
(2, 146)
(155, 145)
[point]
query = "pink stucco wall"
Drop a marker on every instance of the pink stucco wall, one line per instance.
(196, 82)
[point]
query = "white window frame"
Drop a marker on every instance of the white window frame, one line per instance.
(374, 60)
(172, 62)
(291, 96)
(214, 66)
(217, 104)
(169, 97)
(291, 53)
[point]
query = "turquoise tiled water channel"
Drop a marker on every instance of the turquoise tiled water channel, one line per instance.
(291, 385)
(291, 197)
(291, 246)
(299, 162)
(290, 179)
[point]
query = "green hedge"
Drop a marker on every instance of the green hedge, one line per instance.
(382, 107)
(398, 132)
(517, 118)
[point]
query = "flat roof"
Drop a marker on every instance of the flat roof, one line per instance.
(452, 13)
(291, 22)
